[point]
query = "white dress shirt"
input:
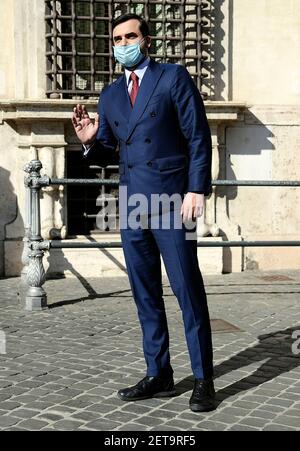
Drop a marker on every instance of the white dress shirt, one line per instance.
(140, 72)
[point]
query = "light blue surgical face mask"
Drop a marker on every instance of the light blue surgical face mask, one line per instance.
(128, 55)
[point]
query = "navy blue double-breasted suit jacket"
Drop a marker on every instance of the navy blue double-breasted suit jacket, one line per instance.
(164, 140)
(165, 147)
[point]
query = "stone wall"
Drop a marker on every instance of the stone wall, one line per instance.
(254, 118)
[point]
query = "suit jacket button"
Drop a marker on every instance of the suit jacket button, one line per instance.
(116, 123)
(147, 140)
(130, 166)
(149, 163)
(152, 114)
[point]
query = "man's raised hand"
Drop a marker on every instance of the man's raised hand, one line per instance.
(85, 128)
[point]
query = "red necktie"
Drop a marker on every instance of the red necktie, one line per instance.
(135, 87)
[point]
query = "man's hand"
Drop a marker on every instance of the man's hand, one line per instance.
(192, 206)
(85, 128)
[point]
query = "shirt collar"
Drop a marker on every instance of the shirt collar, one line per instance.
(139, 71)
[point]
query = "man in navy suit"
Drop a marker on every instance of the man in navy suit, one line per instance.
(155, 114)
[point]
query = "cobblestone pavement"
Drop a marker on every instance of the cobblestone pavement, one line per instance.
(63, 366)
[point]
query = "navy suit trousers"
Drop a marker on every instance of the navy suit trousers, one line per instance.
(142, 250)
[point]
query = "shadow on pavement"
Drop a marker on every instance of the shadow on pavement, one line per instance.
(275, 349)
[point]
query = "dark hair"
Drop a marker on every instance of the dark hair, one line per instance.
(144, 27)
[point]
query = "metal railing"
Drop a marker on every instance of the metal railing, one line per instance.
(33, 275)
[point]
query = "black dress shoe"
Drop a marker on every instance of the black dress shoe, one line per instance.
(149, 387)
(203, 396)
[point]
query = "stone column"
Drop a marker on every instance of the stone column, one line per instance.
(215, 221)
(229, 229)
(227, 226)
(49, 141)
(206, 225)
(52, 203)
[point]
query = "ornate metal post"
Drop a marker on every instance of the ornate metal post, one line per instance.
(26, 240)
(36, 298)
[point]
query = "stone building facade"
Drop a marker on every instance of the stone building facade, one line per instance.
(253, 109)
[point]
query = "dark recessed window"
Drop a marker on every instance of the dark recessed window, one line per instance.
(88, 207)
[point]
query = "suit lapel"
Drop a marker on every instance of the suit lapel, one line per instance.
(122, 100)
(121, 97)
(149, 82)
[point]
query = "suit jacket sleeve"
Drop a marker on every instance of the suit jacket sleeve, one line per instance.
(195, 129)
(102, 152)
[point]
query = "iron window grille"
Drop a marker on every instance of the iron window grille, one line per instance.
(79, 42)
(83, 207)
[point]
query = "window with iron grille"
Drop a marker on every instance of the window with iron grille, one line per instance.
(79, 41)
(83, 207)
